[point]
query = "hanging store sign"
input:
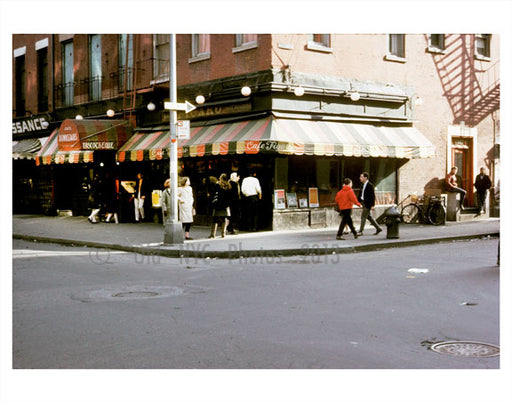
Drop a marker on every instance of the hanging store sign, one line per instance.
(31, 125)
(75, 135)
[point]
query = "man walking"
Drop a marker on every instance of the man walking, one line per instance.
(482, 185)
(367, 199)
(251, 189)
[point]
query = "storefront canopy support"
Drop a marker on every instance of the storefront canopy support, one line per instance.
(173, 232)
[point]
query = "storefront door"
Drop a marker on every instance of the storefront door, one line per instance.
(462, 158)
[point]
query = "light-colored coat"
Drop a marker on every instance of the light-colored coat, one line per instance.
(185, 204)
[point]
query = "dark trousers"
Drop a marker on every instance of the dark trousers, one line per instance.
(462, 193)
(251, 212)
(234, 218)
(346, 220)
(367, 213)
(481, 195)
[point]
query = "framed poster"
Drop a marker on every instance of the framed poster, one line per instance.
(279, 199)
(303, 203)
(313, 197)
(291, 200)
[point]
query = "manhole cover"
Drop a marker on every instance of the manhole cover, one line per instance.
(466, 349)
(136, 294)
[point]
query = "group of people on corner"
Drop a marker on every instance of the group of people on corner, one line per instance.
(226, 197)
(345, 200)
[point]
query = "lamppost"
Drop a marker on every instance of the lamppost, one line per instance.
(173, 232)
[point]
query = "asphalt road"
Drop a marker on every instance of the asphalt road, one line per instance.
(87, 308)
(368, 315)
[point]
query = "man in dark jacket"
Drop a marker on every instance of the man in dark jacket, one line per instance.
(482, 185)
(367, 199)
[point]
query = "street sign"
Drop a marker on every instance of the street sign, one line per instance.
(179, 106)
(183, 129)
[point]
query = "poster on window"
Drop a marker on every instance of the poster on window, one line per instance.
(313, 197)
(279, 199)
(291, 200)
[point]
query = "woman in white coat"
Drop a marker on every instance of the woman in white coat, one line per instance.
(186, 205)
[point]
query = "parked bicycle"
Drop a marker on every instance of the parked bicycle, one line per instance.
(424, 209)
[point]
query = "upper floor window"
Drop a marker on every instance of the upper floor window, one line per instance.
(42, 79)
(161, 69)
(245, 41)
(436, 43)
(95, 78)
(483, 46)
(19, 77)
(200, 47)
(126, 75)
(321, 42)
(396, 47)
(68, 77)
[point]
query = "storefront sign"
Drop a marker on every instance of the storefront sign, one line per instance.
(69, 138)
(30, 125)
(218, 110)
(98, 145)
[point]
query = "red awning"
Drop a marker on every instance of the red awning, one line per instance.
(75, 135)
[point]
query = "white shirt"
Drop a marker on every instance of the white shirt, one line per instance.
(362, 191)
(251, 186)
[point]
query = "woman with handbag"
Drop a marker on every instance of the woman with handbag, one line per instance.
(220, 204)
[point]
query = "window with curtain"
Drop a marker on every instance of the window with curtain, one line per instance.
(95, 77)
(483, 46)
(125, 62)
(68, 74)
(161, 57)
(396, 45)
(200, 45)
(321, 39)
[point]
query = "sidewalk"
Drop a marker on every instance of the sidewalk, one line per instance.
(148, 238)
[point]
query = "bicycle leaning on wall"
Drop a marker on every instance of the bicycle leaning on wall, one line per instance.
(423, 209)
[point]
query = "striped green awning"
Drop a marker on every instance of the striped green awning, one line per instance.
(283, 136)
(50, 154)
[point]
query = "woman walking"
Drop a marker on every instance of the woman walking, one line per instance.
(345, 199)
(186, 205)
(220, 204)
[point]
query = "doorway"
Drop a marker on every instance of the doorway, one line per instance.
(462, 158)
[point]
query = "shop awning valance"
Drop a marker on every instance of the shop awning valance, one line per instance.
(27, 148)
(283, 136)
(75, 135)
(50, 153)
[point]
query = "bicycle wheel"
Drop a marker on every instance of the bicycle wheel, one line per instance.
(410, 214)
(436, 214)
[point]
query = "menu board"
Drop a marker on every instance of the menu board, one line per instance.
(313, 197)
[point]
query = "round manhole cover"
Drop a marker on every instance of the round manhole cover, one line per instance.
(136, 294)
(466, 349)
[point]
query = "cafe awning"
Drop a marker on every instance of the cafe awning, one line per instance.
(283, 136)
(50, 153)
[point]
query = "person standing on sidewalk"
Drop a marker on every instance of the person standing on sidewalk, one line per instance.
(345, 199)
(451, 186)
(96, 199)
(186, 205)
(141, 192)
(251, 189)
(482, 185)
(367, 199)
(220, 203)
(234, 218)
(166, 200)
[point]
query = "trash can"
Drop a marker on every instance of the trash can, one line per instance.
(392, 219)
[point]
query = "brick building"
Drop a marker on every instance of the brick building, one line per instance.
(317, 108)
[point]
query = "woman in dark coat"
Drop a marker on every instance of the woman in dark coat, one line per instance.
(220, 205)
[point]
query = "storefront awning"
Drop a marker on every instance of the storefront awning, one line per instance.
(75, 135)
(50, 153)
(27, 148)
(283, 136)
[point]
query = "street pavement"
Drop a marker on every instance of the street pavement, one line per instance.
(149, 237)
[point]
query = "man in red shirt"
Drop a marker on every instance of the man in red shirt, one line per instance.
(345, 199)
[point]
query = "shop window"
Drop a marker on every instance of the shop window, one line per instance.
(483, 47)
(245, 42)
(200, 47)
(436, 43)
(396, 48)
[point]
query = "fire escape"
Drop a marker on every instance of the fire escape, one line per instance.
(473, 93)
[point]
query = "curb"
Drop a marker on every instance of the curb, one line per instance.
(182, 252)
